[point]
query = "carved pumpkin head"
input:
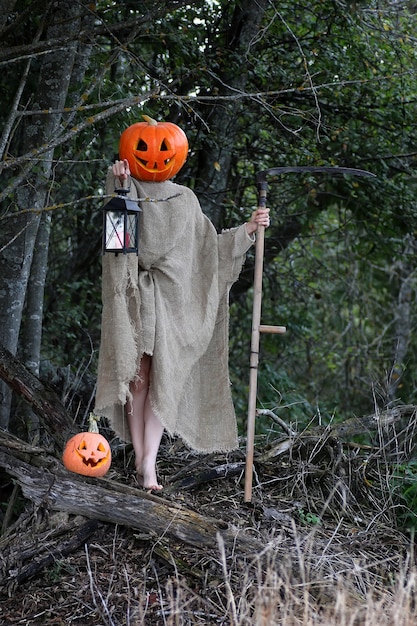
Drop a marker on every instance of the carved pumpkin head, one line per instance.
(156, 151)
(88, 454)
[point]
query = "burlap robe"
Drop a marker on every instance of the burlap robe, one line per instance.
(172, 302)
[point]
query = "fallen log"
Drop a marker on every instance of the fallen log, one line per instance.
(47, 483)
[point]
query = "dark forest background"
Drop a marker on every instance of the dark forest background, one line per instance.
(254, 84)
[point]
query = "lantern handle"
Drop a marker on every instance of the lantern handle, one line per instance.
(122, 191)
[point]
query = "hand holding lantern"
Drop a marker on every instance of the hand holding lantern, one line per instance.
(121, 217)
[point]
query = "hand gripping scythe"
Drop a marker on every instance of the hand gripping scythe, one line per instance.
(257, 327)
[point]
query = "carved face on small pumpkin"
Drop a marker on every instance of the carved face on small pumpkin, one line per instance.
(156, 151)
(88, 454)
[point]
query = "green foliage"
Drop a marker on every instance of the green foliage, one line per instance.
(71, 328)
(308, 519)
(59, 568)
(403, 485)
(319, 83)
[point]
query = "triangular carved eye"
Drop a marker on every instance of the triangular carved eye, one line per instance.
(164, 146)
(142, 145)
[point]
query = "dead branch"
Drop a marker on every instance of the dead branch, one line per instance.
(44, 553)
(226, 470)
(43, 399)
(342, 431)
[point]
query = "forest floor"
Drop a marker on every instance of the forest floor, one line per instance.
(323, 513)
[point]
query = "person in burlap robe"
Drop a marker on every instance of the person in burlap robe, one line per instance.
(163, 359)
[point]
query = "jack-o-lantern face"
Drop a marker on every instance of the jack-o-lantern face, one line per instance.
(88, 454)
(156, 151)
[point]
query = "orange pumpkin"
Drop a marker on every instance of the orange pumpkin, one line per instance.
(156, 151)
(88, 453)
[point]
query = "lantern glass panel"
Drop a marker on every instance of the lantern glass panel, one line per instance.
(121, 225)
(115, 230)
(132, 230)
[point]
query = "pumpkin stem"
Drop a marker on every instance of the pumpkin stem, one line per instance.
(93, 421)
(150, 120)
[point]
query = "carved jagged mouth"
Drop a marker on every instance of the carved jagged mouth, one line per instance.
(145, 164)
(92, 463)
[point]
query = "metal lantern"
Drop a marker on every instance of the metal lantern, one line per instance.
(121, 224)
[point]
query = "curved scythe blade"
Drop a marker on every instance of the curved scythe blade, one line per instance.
(336, 171)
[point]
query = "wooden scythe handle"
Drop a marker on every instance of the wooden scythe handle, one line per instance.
(254, 351)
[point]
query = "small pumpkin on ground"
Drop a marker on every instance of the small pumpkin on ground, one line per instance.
(88, 453)
(156, 151)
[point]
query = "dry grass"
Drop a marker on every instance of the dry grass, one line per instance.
(114, 582)
(324, 513)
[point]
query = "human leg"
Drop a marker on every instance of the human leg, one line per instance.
(145, 427)
(135, 410)
(152, 436)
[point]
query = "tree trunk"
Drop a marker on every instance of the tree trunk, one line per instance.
(403, 321)
(32, 327)
(42, 551)
(17, 240)
(215, 158)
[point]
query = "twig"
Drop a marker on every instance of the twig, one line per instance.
(95, 590)
(40, 557)
(277, 420)
(13, 114)
(72, 132)
(9, 510)
(230, 598)
(62, 205)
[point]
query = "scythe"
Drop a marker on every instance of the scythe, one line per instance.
(257, 327)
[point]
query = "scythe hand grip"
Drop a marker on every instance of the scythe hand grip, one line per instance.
(262, 189)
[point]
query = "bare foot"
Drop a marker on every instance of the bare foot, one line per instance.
(149, 481)
(154, 488)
